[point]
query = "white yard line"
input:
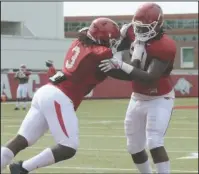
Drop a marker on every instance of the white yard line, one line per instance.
(109, 136)
(190, 156)
(122, 121)
(104, 128)
(110, 169)
(116, 128)
(103, 122)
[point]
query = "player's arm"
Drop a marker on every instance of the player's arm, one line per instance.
(115, 73)
(125, 40)
(155, 70)
(16, 75)
(53, 71)
(124, 44)
(118, 74)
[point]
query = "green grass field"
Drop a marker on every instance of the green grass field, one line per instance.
(102, 142)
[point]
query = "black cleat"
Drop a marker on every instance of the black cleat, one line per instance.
(16, 109)
(16, 168)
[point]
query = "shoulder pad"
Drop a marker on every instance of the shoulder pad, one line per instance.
(164, 49)
(124, 29)
(103, 52)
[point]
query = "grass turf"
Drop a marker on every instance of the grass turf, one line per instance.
(102, 143)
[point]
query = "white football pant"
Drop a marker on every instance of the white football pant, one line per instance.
(146, 123)
(51, 110)
(22, 90)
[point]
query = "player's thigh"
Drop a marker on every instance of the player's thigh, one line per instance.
(158, 118)
(135, 123)
(24, 90)
(62, 120)
(19, 91)
(34, 124)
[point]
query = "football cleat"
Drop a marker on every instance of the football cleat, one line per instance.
(16, 108)
(16, 168)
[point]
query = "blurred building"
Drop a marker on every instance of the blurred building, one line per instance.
(32, 19)
(181, 27)
(31, 33)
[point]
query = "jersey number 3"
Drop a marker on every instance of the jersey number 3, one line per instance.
(70, 63)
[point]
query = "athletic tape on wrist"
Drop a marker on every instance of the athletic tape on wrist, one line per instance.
(126, 68)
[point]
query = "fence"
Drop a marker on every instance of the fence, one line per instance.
(185, 86)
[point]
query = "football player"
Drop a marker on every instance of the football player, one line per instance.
(22, 90)
(53, 105)
(152, 100)
(51, 69)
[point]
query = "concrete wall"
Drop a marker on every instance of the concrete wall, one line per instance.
(177, 63)
(43, 19)
(32, 51)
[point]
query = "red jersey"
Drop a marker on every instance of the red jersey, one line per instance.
(162, 49)
(51, 71)
(81, 69)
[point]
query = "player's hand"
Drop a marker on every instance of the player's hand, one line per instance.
(109, 64)
(21, 74)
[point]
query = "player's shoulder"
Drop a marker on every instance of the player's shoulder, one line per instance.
(165, 44)
(167, 41)
(163, 48)
(101, 51)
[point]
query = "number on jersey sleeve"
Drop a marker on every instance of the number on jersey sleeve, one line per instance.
(70, 63)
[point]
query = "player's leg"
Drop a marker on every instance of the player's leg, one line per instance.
(18, 97)
(135, 123)
(32, 128)
(63, 124)
(24, 95)
(158, 117)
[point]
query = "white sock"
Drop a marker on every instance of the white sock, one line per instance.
(45, 158)
(163, 167)
(144, 167)
(17, 104)
(6, 157)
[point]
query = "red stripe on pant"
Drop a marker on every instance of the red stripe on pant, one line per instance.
(60, 117)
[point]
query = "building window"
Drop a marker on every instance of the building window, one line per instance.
(187, 57)
(193, 37)
(11, 28)
(181, 24)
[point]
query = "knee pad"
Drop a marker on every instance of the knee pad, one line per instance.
(155, 141)
(63, 152)
(71, 142)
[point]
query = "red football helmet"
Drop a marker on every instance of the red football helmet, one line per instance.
(147, 21)
(104, 31)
